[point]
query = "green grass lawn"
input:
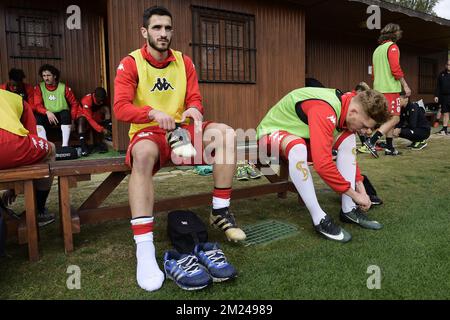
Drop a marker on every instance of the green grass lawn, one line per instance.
(412, 250)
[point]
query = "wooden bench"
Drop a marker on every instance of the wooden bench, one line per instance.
(70, 172)
(21, 180)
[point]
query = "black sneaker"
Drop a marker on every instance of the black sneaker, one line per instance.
(356, 216)
(375, 200)
(84, 150)
(371, 148)
(420, 145)
(44, 218)
(224, 220)
(330, 230)
(392, 152)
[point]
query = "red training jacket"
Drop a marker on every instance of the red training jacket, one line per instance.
(321, 127)
(85, 110)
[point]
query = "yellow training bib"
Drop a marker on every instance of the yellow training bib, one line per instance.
(11, 109)
(162, 89)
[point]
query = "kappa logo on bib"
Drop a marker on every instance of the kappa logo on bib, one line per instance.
(52, 97)
(162, 85)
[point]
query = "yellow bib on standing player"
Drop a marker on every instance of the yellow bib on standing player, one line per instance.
(11, 109)
(162, 89)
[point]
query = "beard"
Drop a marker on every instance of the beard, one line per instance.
(154, 45)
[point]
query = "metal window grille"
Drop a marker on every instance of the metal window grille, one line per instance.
(33, 34)
(224, 46)
(427, 75)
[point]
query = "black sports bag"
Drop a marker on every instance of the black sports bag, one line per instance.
(66, 153)
(185, 230)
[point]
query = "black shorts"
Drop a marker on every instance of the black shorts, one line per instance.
(444, 101)
(63, 117)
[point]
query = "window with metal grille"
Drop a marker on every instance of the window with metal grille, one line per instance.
(427, 75)
(224, 46)
(32, 34)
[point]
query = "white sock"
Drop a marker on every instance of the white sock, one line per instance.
(148, 274)
(65, 129)
(302, 179)
(346, 164)
(41, 132)
(219, 203)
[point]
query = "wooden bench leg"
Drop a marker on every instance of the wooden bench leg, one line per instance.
(65, 214)
(32, 228)
(284, 177)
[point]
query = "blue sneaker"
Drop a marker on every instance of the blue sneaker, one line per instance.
(185, 270)
(211, 256)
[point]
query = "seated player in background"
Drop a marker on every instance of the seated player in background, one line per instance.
(94, 113)
(54, 104)
(16, 85)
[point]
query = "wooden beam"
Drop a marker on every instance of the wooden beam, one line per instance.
(73, 180)
(93, 216)
(99, 215)
(87, 167)
(17, 186)
(37, 171)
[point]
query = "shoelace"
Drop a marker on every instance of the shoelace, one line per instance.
(251, 169)
(217, 257)
(189, 264)
(330, 227)
(361, 215)
(230, 217)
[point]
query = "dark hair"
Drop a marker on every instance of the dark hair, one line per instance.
(16, 75)
(155, 10)
(389, 32)
(51, 69)
(100, 93)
